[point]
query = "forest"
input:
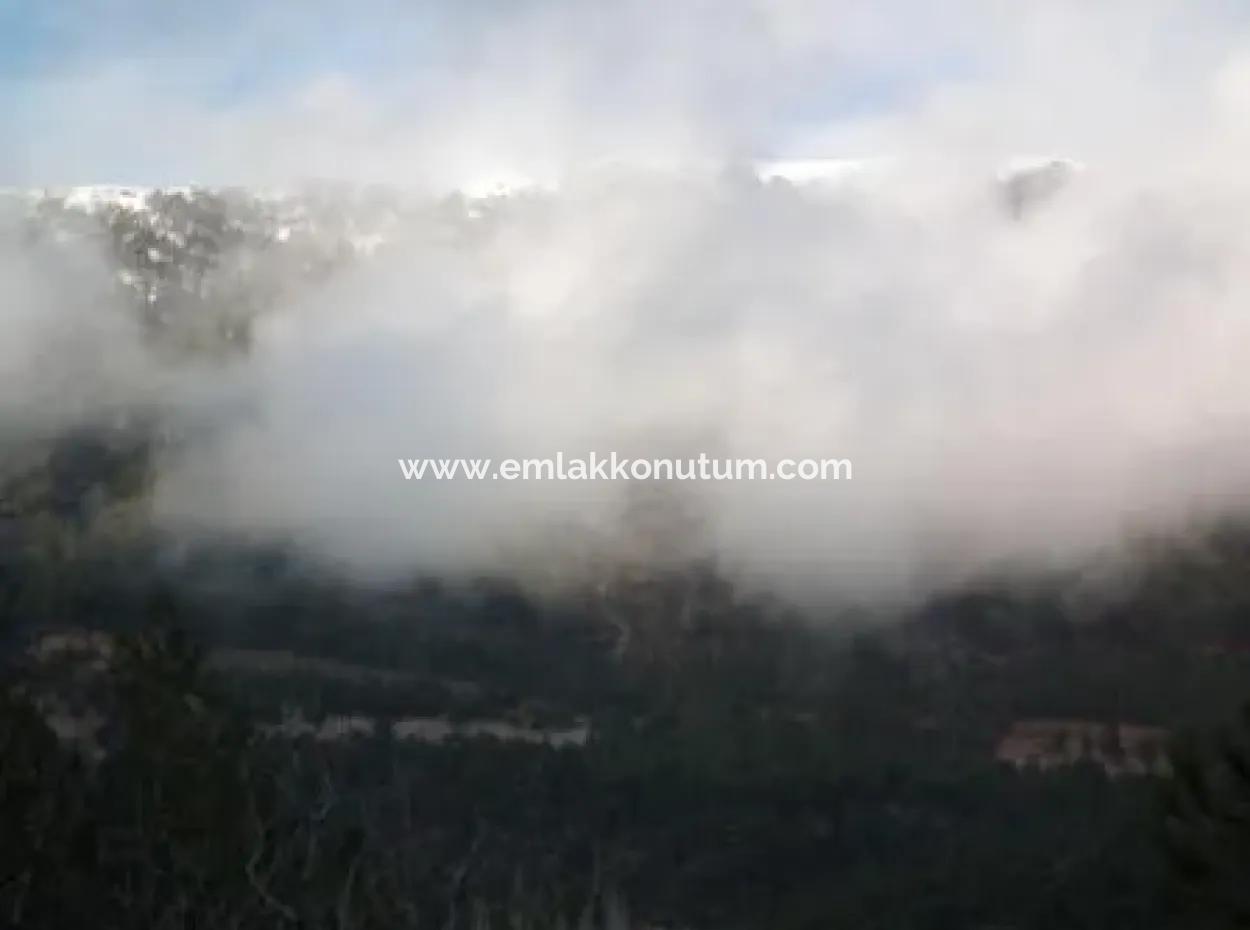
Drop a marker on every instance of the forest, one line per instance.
(221, 731)
(747, 764)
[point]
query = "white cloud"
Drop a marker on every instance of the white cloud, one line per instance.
(1005, 389)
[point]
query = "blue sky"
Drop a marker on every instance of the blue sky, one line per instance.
(233, 49)
(164, 89)
(714, 64)
(238, 48)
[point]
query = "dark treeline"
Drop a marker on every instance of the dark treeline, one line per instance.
(702, 816)
(746, 767)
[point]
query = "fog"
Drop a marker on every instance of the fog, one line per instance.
(1012, 389)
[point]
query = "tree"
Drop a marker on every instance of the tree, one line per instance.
(1207, 825)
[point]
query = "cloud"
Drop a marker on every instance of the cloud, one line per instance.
(1008, 390)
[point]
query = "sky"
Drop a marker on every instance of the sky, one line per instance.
(144, 91)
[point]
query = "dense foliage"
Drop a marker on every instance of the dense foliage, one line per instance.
(745, 767)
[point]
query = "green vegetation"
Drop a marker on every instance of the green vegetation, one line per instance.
(746, 767)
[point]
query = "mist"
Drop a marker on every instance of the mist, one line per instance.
(1014, 388)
